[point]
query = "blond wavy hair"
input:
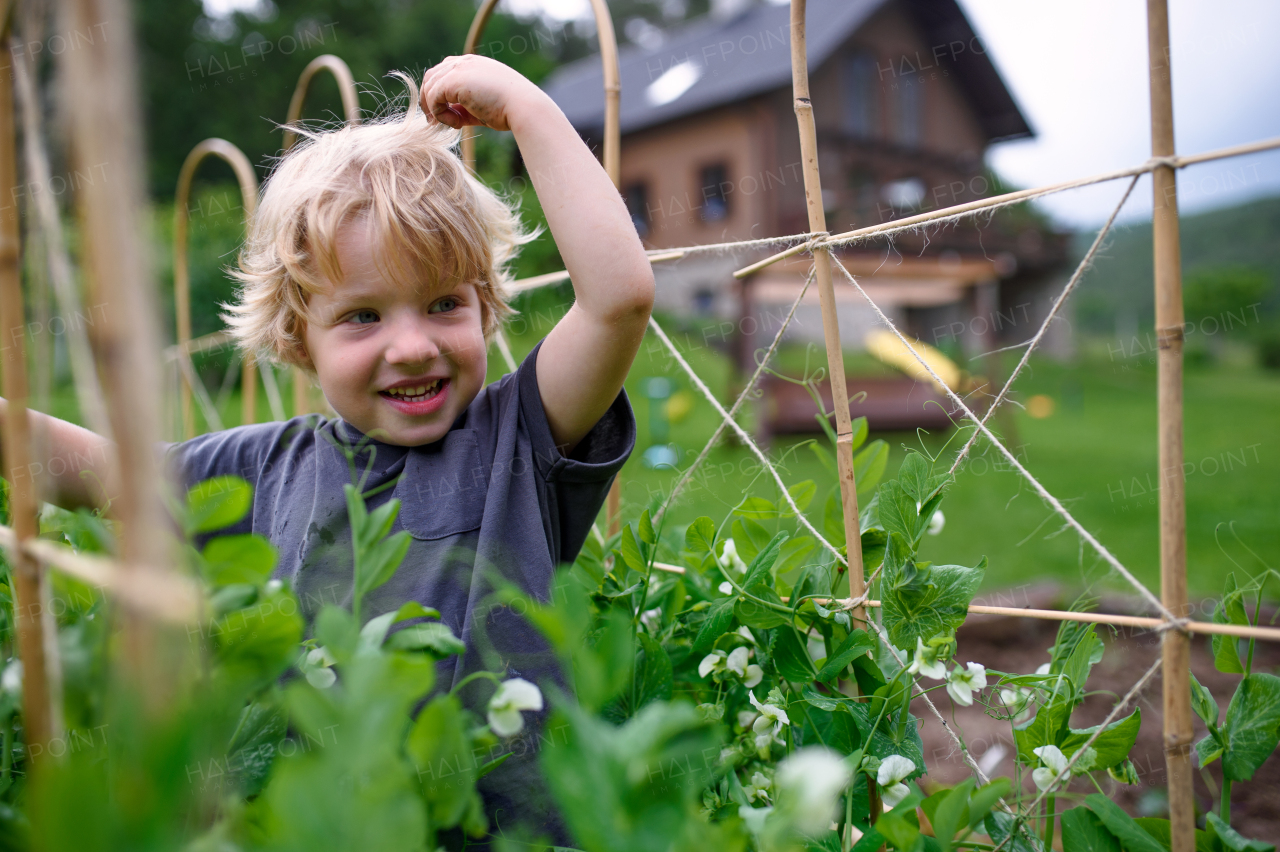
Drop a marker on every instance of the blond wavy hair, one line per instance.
(426, 212)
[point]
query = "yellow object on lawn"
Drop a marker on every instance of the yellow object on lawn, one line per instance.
(886, 347)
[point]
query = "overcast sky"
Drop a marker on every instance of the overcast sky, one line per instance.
(1078, 70)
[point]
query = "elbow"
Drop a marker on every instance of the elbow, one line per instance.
(635, 299)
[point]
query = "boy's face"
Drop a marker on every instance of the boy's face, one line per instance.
(396, 364)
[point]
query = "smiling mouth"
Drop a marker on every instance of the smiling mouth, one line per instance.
(414, 393)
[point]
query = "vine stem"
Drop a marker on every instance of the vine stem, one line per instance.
(1048, 822)
(1225, 810)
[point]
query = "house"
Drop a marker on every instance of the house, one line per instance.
(906, 102)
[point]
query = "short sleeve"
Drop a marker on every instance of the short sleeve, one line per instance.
(578, 484)
(241, 452)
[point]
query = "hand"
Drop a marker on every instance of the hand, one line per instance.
(464, 91)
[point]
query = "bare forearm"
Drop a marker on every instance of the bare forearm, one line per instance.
(69, 464)
(611, 276)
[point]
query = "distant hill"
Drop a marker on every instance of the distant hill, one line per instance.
(1116, 295)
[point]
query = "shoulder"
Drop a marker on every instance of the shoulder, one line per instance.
(244, 451)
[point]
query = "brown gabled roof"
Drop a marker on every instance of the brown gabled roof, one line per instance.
(749, 54)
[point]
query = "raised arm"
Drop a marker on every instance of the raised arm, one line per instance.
(70, 465)
(585, 358)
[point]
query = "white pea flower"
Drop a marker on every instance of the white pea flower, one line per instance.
(1043, 670)
(746, 718)
(936, 523)
(11, 680)
(737, 663)
(1017, 701)
(963, 683)
(894, 769)
(811, 780)
(318, 668)
(1054, 763)
(771, 722)
(512, 697)
(928, 661)
(729, 557)
(754, 818)
(712, 663)
(726, 588)
(758, 789)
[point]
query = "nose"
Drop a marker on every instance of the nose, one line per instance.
(411, 342)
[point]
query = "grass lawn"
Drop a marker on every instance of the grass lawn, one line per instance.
(1096, 452)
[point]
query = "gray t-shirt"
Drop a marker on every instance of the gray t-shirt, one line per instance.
(494, 497)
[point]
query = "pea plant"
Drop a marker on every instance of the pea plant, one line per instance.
(721, 692)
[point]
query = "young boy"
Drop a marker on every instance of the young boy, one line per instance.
(376, 263)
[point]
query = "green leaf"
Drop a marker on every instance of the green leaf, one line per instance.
(217, 503)
(940, 609)
(833, 519)
(756, 507)
(898, 513)
(1133, 837)
(1047, 727)
(869, 466)
(1203, 702)
(647, 534)
(1230, 610)
(758, 572)
(857, 643)
(873, 546)
(901, 826)
(718, 622)
(825, 458)
(433, 636)
(1232, 839)
(914, 476)
(858, 433)
(1112, 746)
(999, 825)
(701, 535)
(653, 673)
(337, 631)
(632, 556)
(439, 747)
(413, 609)
(750, 536)
(257, 644)
(758, 615)
(985, 798)
(1082, 831)
(802, 493)
(381, 561)
(790, 656)
(259, 732)
(1160, 829)
(948, 812)
(1252, 726)
(245, 558)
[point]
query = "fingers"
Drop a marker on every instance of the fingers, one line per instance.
(440, 95)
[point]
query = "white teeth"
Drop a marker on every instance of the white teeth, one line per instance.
(414, 392)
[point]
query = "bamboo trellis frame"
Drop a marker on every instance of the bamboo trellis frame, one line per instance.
(248, 182)
(303, 402)
(102, 94)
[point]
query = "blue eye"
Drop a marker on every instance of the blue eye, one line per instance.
(364, 317)
(444, 305)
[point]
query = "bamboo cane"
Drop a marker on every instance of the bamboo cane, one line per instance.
(302, 402)
(37, 648)
(1176, 645)
(105, 124)
(248, 181)
(612, 146)
(827, 296)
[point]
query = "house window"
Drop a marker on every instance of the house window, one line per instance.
(636, 197)
(861, 86)
(910, 112)
(715, 192)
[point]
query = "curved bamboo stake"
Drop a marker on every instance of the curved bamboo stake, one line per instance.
(827, 295)
(248, 181)
(612, 84)
(341, 72)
